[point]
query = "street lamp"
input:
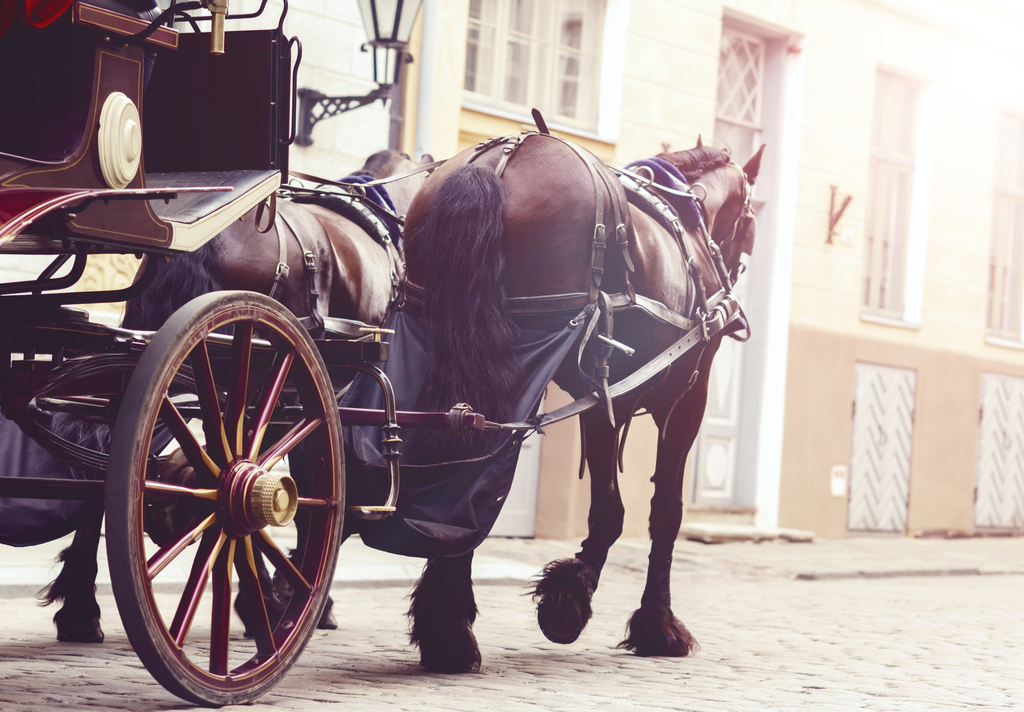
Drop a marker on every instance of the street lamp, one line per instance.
(388, 24)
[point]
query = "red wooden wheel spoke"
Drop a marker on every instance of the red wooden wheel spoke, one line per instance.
(209, 548)
(249, 586)
(293, 437)
(209, 405)
(274, 384)
(169, 552)
(195, 453)
(234, 416)
(220, 622)
(281, 562)
(215, 399)
(180, 490)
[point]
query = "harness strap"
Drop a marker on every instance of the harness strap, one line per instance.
(725, 312)
(281, 273)
(315, 321)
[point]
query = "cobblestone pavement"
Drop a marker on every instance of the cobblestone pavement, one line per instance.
(862, 624)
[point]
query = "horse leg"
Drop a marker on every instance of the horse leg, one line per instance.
(565, 587)
(78, 620)
(299, 464)
(653, 629)
(442, 614)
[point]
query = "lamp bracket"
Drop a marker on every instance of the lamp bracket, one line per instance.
(315, 107)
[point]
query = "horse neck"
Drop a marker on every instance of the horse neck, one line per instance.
(404, 190)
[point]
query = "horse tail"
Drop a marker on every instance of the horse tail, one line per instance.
(185, 277)
(458, 257)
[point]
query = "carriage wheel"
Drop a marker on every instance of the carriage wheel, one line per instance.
(228, 388)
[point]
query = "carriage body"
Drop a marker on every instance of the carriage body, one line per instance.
(118, 143)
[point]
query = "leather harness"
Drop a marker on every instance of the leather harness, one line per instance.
(714, 314)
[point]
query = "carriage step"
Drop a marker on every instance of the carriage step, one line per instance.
(371, 512)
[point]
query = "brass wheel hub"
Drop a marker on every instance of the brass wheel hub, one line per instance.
(254, 499)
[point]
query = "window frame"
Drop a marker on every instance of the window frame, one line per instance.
(1000, 325)
(881, 275)
(495, 103)
(757, 125)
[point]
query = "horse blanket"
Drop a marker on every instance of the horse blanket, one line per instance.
(449, 508)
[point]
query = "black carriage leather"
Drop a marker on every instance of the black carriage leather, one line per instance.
(449, 508)
(188, 208)
(352, 208)
(28, 522)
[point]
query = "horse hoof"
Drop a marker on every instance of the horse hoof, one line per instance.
(654, 631)
(88, 631)
(563, 594)
(327, 620)
(459, 654)
(274, 607)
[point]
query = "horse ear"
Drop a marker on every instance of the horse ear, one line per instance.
(752, 166)
(699, 144)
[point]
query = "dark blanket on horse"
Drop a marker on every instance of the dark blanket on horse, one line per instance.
(449, 508)
(357, 209)
(669, 176)
(377, 195)
(27, 522)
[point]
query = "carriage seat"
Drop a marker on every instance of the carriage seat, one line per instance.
(196, 217)
(130, 8)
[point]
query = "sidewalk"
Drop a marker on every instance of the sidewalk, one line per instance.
(514, 561)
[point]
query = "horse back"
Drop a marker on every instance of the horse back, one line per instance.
(548, 216)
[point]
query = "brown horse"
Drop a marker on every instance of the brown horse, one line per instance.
(352, 276)
(511, 220)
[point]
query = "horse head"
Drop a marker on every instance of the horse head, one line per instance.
(736, 226)
(725, 191)
(387, 163)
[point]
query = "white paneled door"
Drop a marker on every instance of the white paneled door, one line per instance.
(999, 483)
(883, 428)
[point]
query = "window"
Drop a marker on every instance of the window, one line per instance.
(740, 94)
(1004, 277)
(890, 183)
(525, 54)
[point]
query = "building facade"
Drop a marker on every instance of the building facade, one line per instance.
(883, 387)
(882, 390)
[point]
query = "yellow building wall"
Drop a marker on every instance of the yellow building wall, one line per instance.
(958, 73)
(961, 52)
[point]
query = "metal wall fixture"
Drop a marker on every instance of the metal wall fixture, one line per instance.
(835, 215)
(388, 24)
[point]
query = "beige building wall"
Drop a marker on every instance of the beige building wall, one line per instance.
(954, 50)
(958, 51)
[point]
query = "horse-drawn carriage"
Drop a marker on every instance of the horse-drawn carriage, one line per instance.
(202, 434)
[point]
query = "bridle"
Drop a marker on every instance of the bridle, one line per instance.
(727, 276)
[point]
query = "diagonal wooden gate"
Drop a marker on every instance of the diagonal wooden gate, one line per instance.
(999, 483)
(883, 426)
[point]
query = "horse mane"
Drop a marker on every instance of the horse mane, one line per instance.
(185, 277)
(694, 162)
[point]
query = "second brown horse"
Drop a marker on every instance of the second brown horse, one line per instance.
(517, 218)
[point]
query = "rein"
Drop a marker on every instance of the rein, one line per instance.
(713, 316)
(358, 190)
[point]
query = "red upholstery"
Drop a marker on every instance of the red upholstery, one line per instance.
(39, 13)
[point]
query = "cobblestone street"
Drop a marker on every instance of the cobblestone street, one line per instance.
(860, 624)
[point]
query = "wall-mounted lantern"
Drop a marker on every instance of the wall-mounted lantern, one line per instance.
(388, 24)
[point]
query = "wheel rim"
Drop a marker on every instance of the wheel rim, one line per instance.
(256, 400)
